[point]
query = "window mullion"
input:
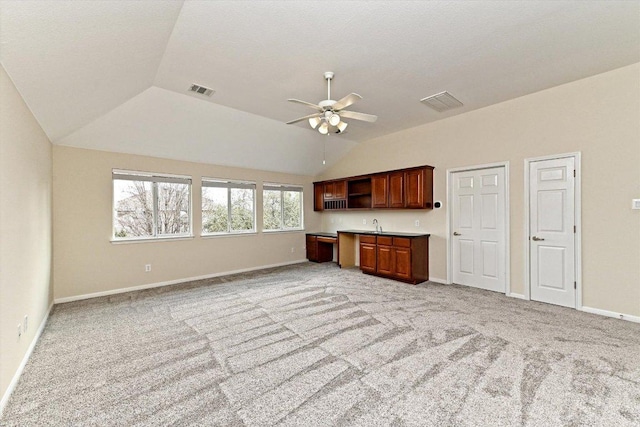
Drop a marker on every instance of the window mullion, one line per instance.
(282, 227)
(154, 197)
(228, 210)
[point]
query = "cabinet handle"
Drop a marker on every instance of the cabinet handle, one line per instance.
(537, 239)
(455, 233)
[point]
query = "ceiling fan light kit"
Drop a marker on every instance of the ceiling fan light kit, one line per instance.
(330, 113)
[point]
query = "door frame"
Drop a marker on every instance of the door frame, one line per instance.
(577, 242)
(507, 234)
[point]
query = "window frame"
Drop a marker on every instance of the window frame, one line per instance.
(229, 184)
(154, 178)
(282, 188)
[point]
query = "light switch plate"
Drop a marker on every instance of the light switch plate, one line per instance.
(635, 204)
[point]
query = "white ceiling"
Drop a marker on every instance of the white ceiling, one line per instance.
(113, 75)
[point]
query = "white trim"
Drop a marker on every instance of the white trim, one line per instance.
(438, 280)
(518, 296)
(577, 184)
(25, 359)
(607, 313)
(171, 282)
(151, 239)
(507, 223)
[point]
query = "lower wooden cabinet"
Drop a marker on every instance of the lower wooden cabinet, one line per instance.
(400, 258)
(368, 254)
(319, 248)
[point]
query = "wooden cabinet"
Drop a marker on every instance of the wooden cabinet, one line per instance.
(400, 258)
(330, 195)
(318, 196)
(320, 248)
(368, 257)
(396, 190)
(335, 190)
(400, 189)
(380, 191)
(416, 193)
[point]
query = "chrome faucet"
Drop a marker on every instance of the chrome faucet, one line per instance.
(375, 222)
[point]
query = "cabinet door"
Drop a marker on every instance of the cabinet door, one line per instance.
(379, 191)
(328, 190)
(340, 190)
(414, 188)
(368, 257)
(385, 260)
(403, 263)
(312, 248)
(318, 197)
(396, 190)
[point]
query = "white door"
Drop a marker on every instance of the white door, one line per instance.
(552, 231)
(478, 227)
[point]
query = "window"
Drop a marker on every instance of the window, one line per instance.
(228, 207)
(282, 207)
(148, 206)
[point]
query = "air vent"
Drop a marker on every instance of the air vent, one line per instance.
(201, 90)
(442, 101)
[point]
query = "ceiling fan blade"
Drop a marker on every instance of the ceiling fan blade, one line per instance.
(308, 104)
(358, 116)
(310, 116)
(346, 101)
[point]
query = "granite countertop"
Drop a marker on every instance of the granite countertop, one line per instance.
(385, 233)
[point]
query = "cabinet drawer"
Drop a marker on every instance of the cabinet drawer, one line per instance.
(384, 240)
(331, 240)
(367, 239)
(403, 242)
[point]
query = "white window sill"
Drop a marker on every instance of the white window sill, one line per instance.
(213, 236)
(296, 230)
(149, 240)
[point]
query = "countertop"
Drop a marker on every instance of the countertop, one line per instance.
(323, 234)
(385, 233)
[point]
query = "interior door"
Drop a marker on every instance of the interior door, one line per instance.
(552, 232)
(478, 226)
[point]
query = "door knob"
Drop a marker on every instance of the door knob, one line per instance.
(455, 233)
(537, 239)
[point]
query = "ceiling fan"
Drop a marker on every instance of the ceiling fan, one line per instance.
(330, 113)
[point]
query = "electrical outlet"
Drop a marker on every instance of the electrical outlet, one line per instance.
(292, 249)
(19, 330)
(364, 221)
(417, 223)
(147, 268)
(25, 323)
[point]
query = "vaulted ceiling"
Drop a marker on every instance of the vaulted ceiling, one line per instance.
(114, 75)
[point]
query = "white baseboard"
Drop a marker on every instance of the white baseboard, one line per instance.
(628, 317)
(438, 280)
(25, 359)
(171, 282)
(514, 295)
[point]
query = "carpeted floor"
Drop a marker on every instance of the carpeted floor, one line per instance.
(313, 345)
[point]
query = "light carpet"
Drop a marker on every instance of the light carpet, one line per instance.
(314, 345)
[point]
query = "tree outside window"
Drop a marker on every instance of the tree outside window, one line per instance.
(148, 206)
(282, 207)
(228, 207)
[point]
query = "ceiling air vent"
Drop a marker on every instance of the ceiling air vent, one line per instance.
(201, 90)
(442, 101)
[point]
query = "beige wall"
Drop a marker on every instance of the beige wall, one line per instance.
(85, 260)
(598, 116)
(25, 228)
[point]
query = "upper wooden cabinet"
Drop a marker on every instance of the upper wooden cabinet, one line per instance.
(380, 191)
(400, 189)
(396, 190)
(335, 190)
